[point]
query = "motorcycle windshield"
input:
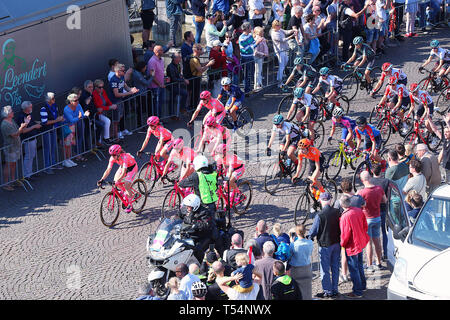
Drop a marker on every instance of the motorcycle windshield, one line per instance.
(163, 233)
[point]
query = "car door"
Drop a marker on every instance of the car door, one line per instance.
(396, 220)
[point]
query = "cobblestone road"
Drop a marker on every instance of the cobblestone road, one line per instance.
(55, 247)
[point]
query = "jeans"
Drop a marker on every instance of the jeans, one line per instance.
(258, 72)
(330, 257)
(347, 38)
(248, 63)
(433, 16)
(30, 153)
(399, 7)
(175, 23)
(256, 22)
(198, 30)
(49, 148)
(106, 125)
(383, 232)
(356, 269)
(282, 61)
(159, 96)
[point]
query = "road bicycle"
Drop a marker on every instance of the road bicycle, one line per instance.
(420, 134)
(171, 205)
(308, 203)
(376, 114)
(326, 108)
(338, 158)
(241, 199)
(391, 123)
(152, 171)
(430, 82)
(366, 165)
(244, 121)
(319, 132)
(443, 101)
(110, 205)
(355, 80)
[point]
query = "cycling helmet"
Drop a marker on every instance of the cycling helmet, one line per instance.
(304, 143)
(386, 66)
(357, 40)
(338, 112)
(153, 121)
(393, 80)
(222, 148)
(298, 61)
(192, 200)
(361, 121)
(198, 289)
(324, 71)
(278, 119)
(298, 92)
(434, 43)
(225, 81)
(178, 144)
(115, 150)
(205, 95)
(210, 121)
(200, 162)
(413, 87)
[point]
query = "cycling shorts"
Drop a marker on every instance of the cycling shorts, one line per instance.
(237, 103)
(312, 83)
(131, 173)
(345, 133)
(313, 113)
(238, 172)
(421, 110)
(368, 143)
(403, 81)
(219, 116)
(312, 165)
(293, 141)
(405, 102)
(167, 145)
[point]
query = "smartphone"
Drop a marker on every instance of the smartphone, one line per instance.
(211, 247)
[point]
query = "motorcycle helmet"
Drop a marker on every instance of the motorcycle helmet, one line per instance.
(386, 66)
(278, 119)
(153, 121)
(198, 289)
(115, 150)
(298, 92)
(192, 200)
(358, 40)
(200, 162)
(225, 81)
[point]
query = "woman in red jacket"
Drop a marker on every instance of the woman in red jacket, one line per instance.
(102, 103)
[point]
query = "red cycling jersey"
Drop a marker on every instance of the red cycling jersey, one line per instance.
(422, 98)
(399, 90)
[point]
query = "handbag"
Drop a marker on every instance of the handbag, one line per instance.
(199, 19)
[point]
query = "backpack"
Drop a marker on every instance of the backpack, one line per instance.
(344, 23)
(187, 73)
(283, 252)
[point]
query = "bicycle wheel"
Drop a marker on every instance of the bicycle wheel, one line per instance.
(319, 134)
(334, 165)
(345, 103)
(173, 173)
(140, 195)
(148, 174)
(350, 86)
(109, 209)
(385, 130)
(363, 166)
(411, 138)
(376, 114)
(302, 207)
(284, 106)
(244, 121)
(433, 141)
(273, 177)
(242, 203)
(425, 84)
(443, 101)
(171, 205)
(375, 75)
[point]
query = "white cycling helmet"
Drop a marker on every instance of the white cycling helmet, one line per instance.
(198, 289)
(192, 200)
(200, 162)
(225, 81)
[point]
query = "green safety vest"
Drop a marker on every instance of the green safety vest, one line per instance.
(207, 185)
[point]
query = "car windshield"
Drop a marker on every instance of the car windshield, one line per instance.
(432, 228)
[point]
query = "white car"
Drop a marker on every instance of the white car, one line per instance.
(420, 249)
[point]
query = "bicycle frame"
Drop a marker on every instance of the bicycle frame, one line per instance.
(116, 192)
(173, 195)
(417, 131)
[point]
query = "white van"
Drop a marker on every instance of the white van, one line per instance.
(419, 251)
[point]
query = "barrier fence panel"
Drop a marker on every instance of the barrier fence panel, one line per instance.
(10, 161)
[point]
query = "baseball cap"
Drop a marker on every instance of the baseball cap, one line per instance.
(217, 43)
(325, 196)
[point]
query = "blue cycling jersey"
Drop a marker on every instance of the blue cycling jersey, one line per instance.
(369, 132)
(234, 92)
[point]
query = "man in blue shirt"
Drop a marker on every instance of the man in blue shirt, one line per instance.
(173, 11)
(262, 236)
(221, 5)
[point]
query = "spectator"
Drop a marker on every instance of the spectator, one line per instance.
(370, 22)
(197, 70)
(218, 69)
(383, 21)
(332, 26)
(347, 189)
(444, 155)
(102, 104)
(411, 9)
(296, 24)
(29, 143)
(262, 235)
(199, 8)
(73, 113)
(247, 269)
(397, 171)
(417, 180)
(265, 267)
(354, 239)
(228, 45)
(247, 45)
(384, 184)
(49, 121)
(253, 247)
(256, 12)
(209, 258)
(147, 293)
(87, 103)
(261, 51)
(399, 8)
(312, 43)
(173, 12)
(11, 133)
(281, 47)
(212, 34)
(141, 80)
(409, 154)
(238, 13)
(422, 15)
(430, 167)
(232, 293)
(147, 17)
(280, 236)
(156, 66)
(149, 48)
(326, 228)
(236, 247)
(222, 6)
(300, 262)
(177, 87)
(401, 151)
(415, 201)
(346, 19)
(186, 279)
(214, 292)
(174, 286)
(120, 90)
(187, 51)
(278, 10)
(283, 287)
(373, 195)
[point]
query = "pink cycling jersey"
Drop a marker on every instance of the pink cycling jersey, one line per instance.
(345, 123)
(158, 131)
(232, 160)
(212, 104)
(211, 133)
(186, 155)
(125, 160)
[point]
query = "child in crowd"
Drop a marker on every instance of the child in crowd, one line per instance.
(248, 270)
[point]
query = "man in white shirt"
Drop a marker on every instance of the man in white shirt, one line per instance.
(186, 279)
(256, 12)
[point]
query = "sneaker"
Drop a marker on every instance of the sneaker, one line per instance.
(379, 267)
(126, 132)
(351, 295)
(58, 167)
(67, 164)
(322, 295)
(73, 164)
(370, 268)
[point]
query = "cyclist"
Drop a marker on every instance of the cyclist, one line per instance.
(388, 70)
(291, 135)
(397, 97)
(372, 138)
(443, 66)
(308, 110)
(215, 107)
(347, 124)
(316, 160)
(334, 83)
(363, 53)
(164, 136)
(185, 154)
(422, 105)
(309, 75)
(231, 166)
(214, 134)
(235, 98)
(127, 171)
